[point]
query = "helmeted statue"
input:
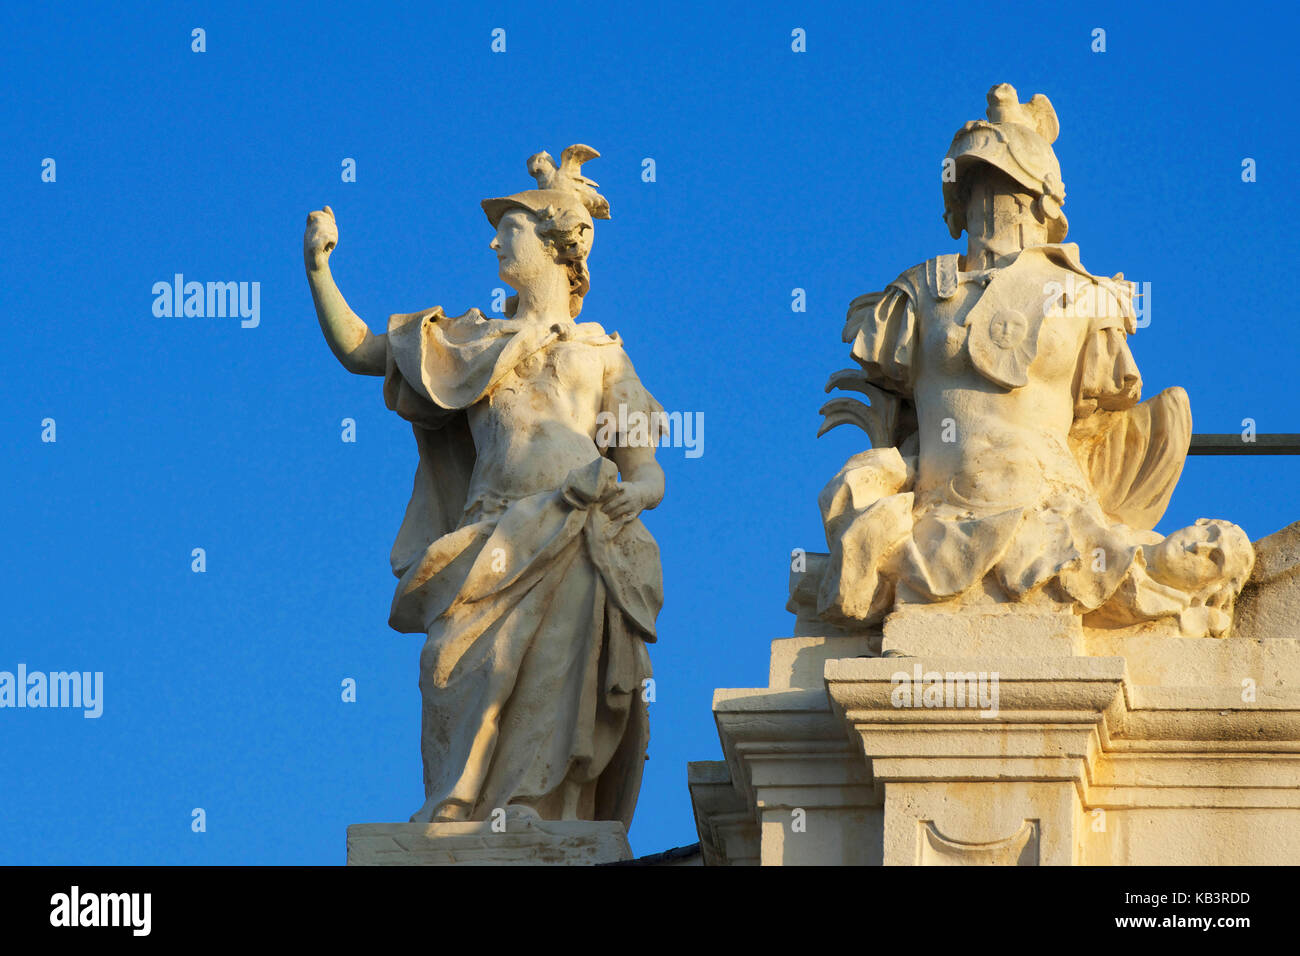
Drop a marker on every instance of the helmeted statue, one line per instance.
(521, 555)
(1013, 460)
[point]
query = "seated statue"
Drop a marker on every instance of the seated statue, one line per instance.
(522, 556)
(1012, 458)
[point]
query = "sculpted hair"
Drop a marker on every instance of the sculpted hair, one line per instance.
(1220, 595)
(568, 237)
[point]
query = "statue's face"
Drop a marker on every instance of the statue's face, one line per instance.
(522, 255)
(999, 207)
(1191, 558)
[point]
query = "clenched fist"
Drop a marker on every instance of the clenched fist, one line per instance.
(319, 240)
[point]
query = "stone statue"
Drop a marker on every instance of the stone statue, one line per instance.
(1012, 461)
(521, 555)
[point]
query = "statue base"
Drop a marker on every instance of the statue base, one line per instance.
(1008, 739)
(522, 843)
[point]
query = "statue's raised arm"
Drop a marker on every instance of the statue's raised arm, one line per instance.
(358, 349)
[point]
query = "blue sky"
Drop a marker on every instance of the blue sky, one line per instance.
(775, 170)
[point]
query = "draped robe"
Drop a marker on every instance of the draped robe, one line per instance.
(538, 609)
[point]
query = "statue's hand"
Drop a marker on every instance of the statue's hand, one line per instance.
(319, 240)
(626, 502)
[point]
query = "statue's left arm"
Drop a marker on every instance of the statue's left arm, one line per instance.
(1131, 451)
(642, 479)
(642, 485)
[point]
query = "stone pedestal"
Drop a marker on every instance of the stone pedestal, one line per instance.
(522, 843)
(1029, 742)
(792, 789)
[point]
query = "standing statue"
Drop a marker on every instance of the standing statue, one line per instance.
(1012, 460)
(521, 555)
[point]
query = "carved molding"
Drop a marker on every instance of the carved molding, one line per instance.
(1020, 849)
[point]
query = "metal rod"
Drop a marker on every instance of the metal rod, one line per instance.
(1234, 444)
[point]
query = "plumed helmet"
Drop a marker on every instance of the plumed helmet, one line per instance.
(536, 201)
(564, 195)
(1017, 139)
(563, 207)
(565, 202)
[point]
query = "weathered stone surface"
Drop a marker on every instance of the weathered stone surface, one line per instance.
(1018, 661)
(522, 556)
(525, 843)
(798, 662)
(1048, 744)
(1269, 606)
(1107, 768)
(1012, 461)
(729, 834)
(997, 631)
